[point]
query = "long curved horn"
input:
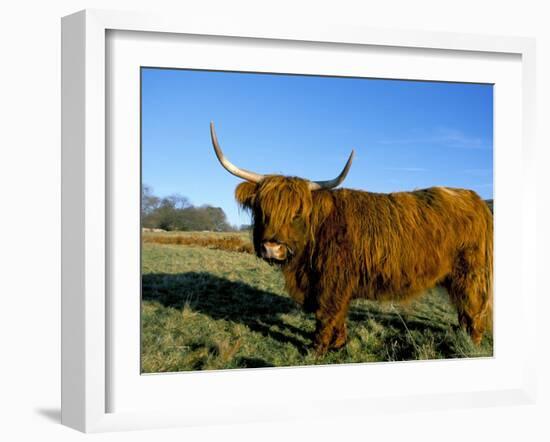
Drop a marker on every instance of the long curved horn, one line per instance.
(317, 185)
(230, 167)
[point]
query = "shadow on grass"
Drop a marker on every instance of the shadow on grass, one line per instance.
(417, 335)
(404, 334)
(234, 301)
(244, 362)
(413, 322)
(401, 337)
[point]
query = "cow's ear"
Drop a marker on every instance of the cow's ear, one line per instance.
(245, 193)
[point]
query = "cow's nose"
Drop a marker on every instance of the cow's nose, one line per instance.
(270, 249)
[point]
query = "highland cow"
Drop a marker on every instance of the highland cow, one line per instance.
(337, 245)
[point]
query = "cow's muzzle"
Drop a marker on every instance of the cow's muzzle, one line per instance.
(272, 250)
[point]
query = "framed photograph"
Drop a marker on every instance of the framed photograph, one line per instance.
(262, 223)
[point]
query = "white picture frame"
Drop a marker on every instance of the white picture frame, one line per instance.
(87, 207)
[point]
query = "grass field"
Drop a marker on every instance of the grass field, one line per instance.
(210, 304)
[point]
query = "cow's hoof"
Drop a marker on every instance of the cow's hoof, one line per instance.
(321, 349)
(339, 339)
(338, 345)
(476, 337)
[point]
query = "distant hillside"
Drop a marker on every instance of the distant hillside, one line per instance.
(490, 204)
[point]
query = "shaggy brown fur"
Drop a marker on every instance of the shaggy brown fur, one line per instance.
(344, 244)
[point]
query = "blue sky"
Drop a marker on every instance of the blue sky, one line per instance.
(406, 134)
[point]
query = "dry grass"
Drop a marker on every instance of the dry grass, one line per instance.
(230, 242)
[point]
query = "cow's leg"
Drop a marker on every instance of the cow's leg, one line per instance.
(470, 309)
(339, 336)
(470, 292)
(331, 316)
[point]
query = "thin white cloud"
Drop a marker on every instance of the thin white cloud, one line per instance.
(478, 172)
(445, 137)
(407, 169)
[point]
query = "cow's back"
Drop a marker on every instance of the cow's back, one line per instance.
(392, 246)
